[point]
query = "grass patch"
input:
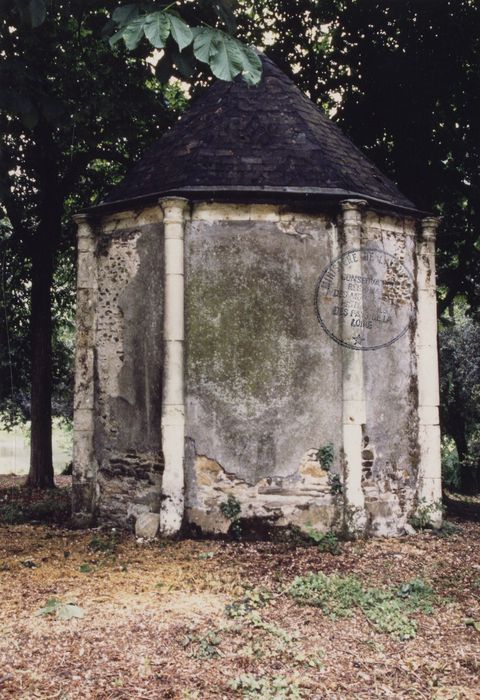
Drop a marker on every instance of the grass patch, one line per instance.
(204, 646)
(389, 610)
(254, 599)
(104, 545)
(276, 688)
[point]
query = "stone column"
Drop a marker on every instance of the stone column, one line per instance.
(84, 462)
(430, 473)
(353, 393)
(173, 401)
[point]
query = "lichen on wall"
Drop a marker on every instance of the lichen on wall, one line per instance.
(260, 371)
(265, 380)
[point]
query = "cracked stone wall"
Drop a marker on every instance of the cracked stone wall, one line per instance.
(264, 380)
(267, 371)
(390, 456)
(129, 329)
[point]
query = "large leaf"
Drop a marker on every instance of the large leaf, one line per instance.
(132, 33)
(226, 60)
(157, 28)
(203, 43)
(126, 13)
(251, 64)
(181, 32)
(226, 56)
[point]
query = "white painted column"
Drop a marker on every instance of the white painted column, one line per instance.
(430, 471)
(84, 462)
(353, 391)
(173, 402)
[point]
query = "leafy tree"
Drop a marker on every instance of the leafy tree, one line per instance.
(460, 393)
(403, 79)
(74, 113)
(170, 28)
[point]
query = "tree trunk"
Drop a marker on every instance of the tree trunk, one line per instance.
(41, 465)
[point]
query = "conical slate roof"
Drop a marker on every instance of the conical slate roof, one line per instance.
(265, 139)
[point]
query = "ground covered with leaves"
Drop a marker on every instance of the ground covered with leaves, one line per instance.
(98, 614)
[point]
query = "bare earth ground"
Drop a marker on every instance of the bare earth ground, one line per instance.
(155, 622)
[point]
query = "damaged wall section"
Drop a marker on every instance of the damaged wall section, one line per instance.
(265, 381)
(128, 329)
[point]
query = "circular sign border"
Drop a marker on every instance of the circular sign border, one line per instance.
(317, 310)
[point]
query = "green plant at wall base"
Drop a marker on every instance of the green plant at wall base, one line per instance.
(231, 509)
(425, 514)
(106, 545)
(52, 508)
(325, 456)
(336, 486)
(12, 514)
(325, 541)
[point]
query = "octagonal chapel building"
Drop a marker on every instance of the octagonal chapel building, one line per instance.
(256, 330)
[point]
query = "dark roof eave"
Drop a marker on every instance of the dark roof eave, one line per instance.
(239, 192)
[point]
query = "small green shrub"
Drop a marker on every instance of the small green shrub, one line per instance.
(325, 541)
(448, 529)
(231, 509)
(425, 514)
(12, 514)
(106, 545)
(254, 599)
(325, 456)
(53, 507)
(335, 483)
(389, 610)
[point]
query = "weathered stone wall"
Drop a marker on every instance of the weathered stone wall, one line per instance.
(310, 394)
(390, 457)
(128, 329)
(265, 381)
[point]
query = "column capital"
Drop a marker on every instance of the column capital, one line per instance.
(353, 204)
(81, 218)
(85, 234)
(429, 226)
(173, 208)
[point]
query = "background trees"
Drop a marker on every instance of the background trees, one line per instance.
(73, 114)
(403, 79)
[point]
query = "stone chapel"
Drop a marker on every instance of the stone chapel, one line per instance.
(256, 326)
